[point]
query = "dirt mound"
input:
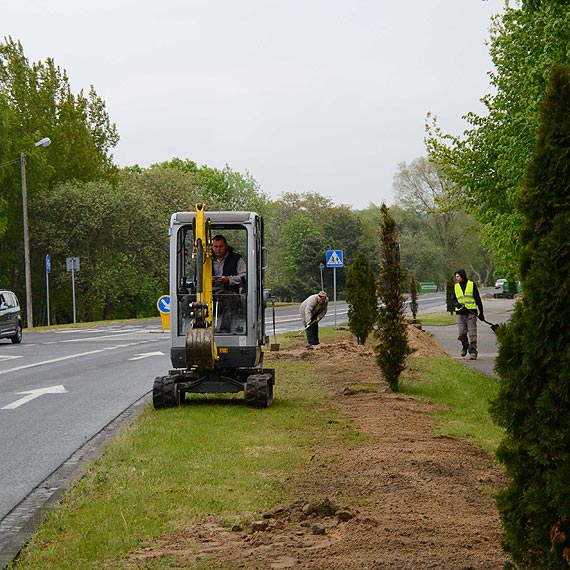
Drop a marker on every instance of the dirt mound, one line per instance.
(421, 344)
(405, 498)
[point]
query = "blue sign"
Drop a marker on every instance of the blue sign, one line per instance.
(334, 258)
(164, 304)
(48, 263)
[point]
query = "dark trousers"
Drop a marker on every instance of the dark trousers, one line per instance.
(313, 334)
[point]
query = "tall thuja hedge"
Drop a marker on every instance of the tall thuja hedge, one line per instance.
(393, 347)
(533, 404)
(361, 298)
(413, 297)
(449, 294)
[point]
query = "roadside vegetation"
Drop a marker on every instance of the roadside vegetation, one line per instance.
(116, 219)
(217, 457)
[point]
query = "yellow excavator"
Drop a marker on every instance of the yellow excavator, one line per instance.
(217, 336)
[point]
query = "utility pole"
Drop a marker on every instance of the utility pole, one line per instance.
(27, 268)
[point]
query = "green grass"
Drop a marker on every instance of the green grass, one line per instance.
(464, 394)
(215, 456)
(434, 319)
(173, 467)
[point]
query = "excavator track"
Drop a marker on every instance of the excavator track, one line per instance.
(165, 393)
(259, 390)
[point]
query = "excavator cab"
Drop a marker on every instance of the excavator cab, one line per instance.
(217, 332)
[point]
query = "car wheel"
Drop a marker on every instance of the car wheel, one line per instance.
(17, 338)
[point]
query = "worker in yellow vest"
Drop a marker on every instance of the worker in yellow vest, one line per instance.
(468, 307)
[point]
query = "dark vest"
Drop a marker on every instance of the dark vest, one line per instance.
(230, 268)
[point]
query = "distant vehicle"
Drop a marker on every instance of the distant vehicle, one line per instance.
(503, 290)
(10, 316)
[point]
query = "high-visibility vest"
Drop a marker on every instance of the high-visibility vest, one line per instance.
(466, 298)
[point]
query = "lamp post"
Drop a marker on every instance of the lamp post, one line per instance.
(29, 310)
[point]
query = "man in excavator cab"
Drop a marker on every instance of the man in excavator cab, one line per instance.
(228, 280)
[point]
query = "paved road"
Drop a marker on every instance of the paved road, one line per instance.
(62, 392)
(496, 311)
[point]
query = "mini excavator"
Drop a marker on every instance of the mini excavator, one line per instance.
(217, 337)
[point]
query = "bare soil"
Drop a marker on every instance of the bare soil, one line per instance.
(405, 498)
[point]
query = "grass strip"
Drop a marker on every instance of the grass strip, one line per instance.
(463, 393)
(436, 319)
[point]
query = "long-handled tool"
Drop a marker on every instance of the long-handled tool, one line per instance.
(308, 325)
(274, 347)
(493, 326)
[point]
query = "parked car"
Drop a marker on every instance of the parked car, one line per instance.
(499, 283)
(10, 316)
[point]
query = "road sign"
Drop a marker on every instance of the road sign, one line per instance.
(72, 264)
(334, 258)
(163, 304)
(48, 264)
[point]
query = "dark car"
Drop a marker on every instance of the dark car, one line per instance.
(10, 316)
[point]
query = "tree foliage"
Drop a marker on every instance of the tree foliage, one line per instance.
(228, 189)
(36, 101)
(488, 161)
(122, 242)
(300, 229)
(392, 348)
(303, 249)
(533, 404)
(432, 213)
(361, 297)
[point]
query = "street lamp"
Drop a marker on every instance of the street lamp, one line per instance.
(29, 311)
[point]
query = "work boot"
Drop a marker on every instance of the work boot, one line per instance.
(472, 352)
(464, 350)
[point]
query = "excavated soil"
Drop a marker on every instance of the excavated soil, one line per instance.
(404, 498)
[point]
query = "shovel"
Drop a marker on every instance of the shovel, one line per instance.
(301, 332)
(274, 347)
(493, 326)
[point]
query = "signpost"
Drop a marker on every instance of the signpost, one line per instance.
(48, 269)
(72, 264)
(334, 259)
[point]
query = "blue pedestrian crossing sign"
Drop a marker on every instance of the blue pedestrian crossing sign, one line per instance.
(334, 258)
(164, 304)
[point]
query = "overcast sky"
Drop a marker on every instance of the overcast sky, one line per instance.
(324, 96)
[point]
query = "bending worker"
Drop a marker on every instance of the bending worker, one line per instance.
(468, 306)
(311, 311)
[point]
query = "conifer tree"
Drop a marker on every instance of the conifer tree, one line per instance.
(533, 404)
(449, 294)
(361, 298)
(393, 347)
(413, 297)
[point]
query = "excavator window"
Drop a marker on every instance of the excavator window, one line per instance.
(229, 307)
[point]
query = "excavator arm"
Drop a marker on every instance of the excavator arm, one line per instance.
(201, 350)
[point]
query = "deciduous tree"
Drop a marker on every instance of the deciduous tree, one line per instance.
(488, 161)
